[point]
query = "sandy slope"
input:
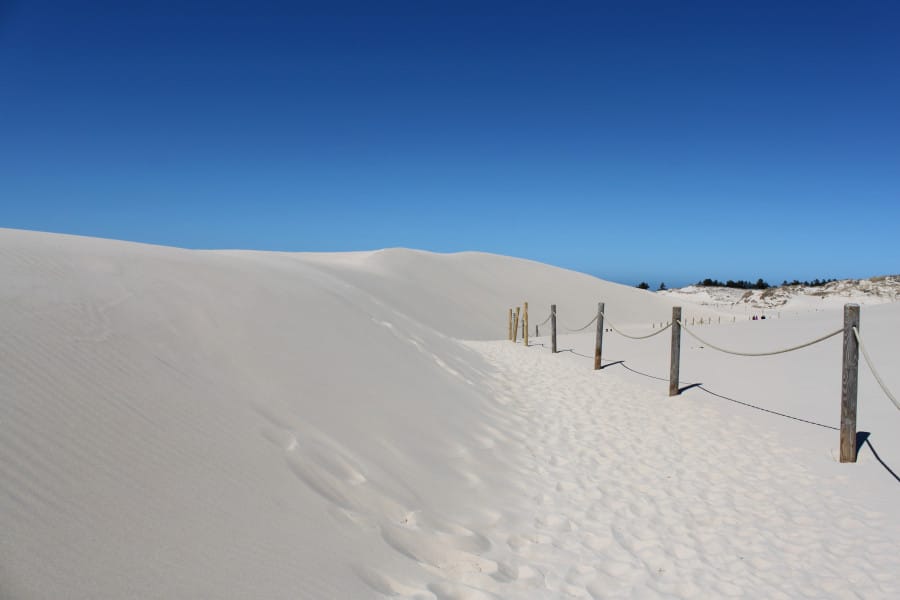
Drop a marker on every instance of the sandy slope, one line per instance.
(466, 295)
(183, 424)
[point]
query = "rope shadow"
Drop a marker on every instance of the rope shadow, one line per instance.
(767, 410)
(862, 439)
(573, 352)
(626, 367)
(708, 391)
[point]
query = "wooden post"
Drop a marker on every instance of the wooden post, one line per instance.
(509, 326)
(598, 341)
(553, 328)
(516, 325)
(537, 331)
(525, 325)
(675, 364)
(848, 384)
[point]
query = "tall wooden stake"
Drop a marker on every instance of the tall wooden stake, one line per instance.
(675, 365)
(553, 328)
(848, 384)
(598, 341)
(525, 325)
(516, 325)
(509, 325)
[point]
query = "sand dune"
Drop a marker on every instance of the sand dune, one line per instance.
(230, 424)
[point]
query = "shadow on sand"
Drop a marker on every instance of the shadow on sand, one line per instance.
(862, 437)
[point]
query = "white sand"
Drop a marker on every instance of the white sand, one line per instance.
(183, 424)
(786, 301)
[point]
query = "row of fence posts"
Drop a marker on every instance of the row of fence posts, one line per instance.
(849, 373)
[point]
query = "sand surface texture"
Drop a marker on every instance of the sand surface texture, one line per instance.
(227, 424)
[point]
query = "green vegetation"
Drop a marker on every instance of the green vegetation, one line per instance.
(813, 283)
(760, 283)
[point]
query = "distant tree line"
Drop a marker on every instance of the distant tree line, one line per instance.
(760, 283)
(740, 284)
(813, 283)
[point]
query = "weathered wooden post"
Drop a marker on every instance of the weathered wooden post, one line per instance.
(675, 364)
(848, 384)
(525, 325)
(537, 331)
(553, 328)
(516, 325)
(598, 341)
(509, 326)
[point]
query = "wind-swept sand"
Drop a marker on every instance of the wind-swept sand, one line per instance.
(184, 424)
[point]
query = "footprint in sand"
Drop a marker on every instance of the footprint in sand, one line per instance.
(331, 471)
(456, 591)
(554, 523)
(453, 552)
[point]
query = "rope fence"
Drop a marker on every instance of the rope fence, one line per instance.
(852, 346)
(771, 353)
(544, 322)
(591, 322)
(633, 337)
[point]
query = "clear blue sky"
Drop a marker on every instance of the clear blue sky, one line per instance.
(633, 140)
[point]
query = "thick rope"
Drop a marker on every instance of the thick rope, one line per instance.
(782, 351)
(633, 337)
(580, 328)
(542, 323)
(872, 368)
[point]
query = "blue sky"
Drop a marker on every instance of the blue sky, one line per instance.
(657, 141)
